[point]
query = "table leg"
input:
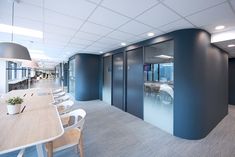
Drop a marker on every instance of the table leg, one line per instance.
(50, 149)
(39, 150)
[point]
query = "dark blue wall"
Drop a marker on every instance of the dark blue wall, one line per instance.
(200, 84)
(65, 78)
(118, 81)
(134, 82)
(200, 81)
(231, 68)
(87, 77)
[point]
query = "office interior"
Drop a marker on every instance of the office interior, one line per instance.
(149, 76)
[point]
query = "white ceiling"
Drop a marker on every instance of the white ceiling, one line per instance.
(91, 26)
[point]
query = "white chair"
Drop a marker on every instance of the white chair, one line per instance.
(56, 96)
(57, 91)
(64, 107)
(62, 99)
(73, 135)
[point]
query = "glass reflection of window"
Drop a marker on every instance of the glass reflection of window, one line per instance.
(159, 72)
(166, 72)
(156, 72)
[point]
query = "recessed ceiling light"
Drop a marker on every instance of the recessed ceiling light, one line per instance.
(228, 35)
(164, 56)
(231, 45)
(21, 31)
(150, 34)
(219, 27)
(123, 44)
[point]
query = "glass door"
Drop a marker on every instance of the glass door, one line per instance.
(159, 85)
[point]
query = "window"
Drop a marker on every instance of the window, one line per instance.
(23, 72)
(12, 74)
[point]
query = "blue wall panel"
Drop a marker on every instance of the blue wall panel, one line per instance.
(200, 85)
(87, 77)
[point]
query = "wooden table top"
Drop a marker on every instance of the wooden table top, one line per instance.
(39, 123)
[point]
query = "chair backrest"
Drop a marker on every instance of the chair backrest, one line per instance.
(64, 98)
(79, 118)
(59, 95)
(57, 91)
(66, 104)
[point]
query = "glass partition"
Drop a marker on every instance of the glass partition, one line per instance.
(72, 77)
(159, 85)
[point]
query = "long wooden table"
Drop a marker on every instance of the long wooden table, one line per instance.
(39, 123)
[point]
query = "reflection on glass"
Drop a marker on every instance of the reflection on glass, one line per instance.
(156, 70)
(158, 86)
(12, 73)
(166, 72)
(72, 77)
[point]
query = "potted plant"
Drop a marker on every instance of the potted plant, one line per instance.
(14, 105)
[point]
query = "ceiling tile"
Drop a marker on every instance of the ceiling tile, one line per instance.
(95, 29)
(28, 11)
(158, 16)
(214, 15)
(81, 41)
(120, 35)
(130, 8)
(135, 28)
(5, 37)
(34, 2)
(54, 44)
(94, 1)
(5, 7)
(28, 40)
(87, 36)
(59, 30)
(5, 19)
(99, 45)
(56, 37)
(75, 8)
(180, 24)
(108, 18)
(136, 39)
(229, 25)
(145, 36)
(93, 49)
(187, 7)
(75, 46)
(109, 41)
(52, 17)
(30, 24)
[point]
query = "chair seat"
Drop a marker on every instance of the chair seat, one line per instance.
(65, 121)
(68, 139)
(63, 110)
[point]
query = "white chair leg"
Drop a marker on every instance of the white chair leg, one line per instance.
(39, 150)
(21, 153)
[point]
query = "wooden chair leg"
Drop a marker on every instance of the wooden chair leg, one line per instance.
(50, 149)
(80, 145)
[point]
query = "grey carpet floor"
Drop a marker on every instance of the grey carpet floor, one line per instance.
(110, 132)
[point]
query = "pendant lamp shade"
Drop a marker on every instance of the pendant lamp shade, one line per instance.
(13, 52)
(30, 64)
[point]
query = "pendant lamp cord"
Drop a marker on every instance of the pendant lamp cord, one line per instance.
(12, 19)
